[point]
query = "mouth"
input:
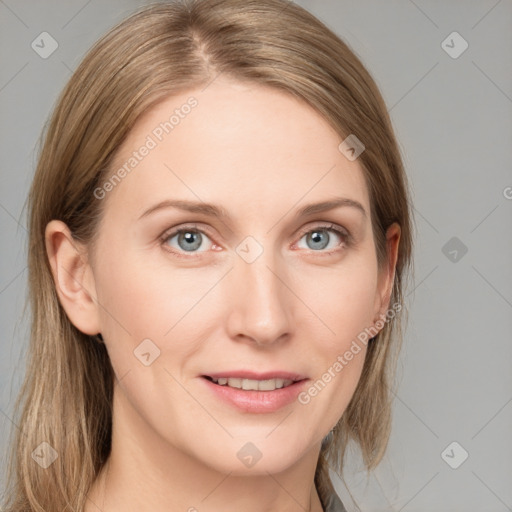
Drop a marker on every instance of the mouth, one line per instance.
(255, 393)
(252, 384)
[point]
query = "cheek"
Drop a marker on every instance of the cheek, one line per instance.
(342, 301)
(161, 302)
(343, 306)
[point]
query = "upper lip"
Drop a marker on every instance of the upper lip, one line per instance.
(244, 374)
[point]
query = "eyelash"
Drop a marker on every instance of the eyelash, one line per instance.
(341, 232)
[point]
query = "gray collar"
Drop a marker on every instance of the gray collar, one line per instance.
(334, 504)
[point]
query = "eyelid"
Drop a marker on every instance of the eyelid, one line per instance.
(327, 226)
(192, 226)
(171, 232)
(341, 231)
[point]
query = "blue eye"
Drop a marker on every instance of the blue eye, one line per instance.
(319, 238)
(188, 239)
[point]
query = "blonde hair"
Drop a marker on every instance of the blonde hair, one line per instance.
(161, 50)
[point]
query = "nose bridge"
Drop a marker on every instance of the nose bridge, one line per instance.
(261, 308)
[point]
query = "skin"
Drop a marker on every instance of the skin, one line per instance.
(260, 154)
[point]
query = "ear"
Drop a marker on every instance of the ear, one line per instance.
(387, 274)
(73, 277)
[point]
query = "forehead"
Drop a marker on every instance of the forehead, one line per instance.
(235, 141)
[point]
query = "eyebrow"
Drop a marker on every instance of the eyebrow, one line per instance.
(217, 211)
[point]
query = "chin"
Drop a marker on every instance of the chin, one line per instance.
(254, 456)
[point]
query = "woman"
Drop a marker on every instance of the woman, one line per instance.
(220, 232)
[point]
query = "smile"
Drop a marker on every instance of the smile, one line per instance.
(264, 395)
(252, 384)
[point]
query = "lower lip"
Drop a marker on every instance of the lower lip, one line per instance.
(257, 401)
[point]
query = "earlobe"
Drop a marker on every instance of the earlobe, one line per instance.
(73, 277)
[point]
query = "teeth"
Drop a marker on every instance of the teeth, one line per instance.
(251, 384)
(269, 385)
(235, 383)
(247, 384)
(279, 383)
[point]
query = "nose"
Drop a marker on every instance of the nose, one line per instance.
(260, 301)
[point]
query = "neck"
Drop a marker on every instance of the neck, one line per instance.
(144, 472)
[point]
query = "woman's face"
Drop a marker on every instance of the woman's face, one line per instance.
(252, 286)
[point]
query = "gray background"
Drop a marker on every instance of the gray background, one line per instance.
(453, 121)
